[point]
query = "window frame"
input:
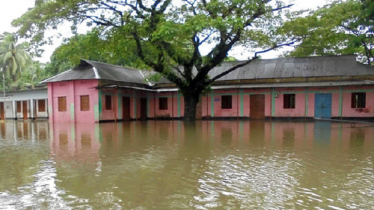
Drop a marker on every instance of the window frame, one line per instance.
(62, 104)
(163, 103)
(87, 107)
(108, 102)
(289, 101)
(40, 107)
(358, 100)
(226, 102)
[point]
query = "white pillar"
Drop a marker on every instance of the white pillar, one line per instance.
(14, 111)
(31, 109)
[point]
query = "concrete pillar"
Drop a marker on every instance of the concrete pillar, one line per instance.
(32, 109)
(14, 111)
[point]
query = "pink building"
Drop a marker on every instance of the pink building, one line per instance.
(334, 87)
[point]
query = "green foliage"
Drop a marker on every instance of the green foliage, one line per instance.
(13, 58)
(339, 28)
(107, 48)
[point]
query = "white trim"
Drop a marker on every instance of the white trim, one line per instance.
(97, 75)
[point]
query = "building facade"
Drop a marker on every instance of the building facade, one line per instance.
(334, 87)
(25, 104)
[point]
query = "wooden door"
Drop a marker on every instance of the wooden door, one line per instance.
(24, 109)
(2, 110)
(143, 108)
(257, 107)
(125, 108)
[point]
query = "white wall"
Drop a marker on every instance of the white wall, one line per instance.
(39, 113)
(31, 96)
(8, 106)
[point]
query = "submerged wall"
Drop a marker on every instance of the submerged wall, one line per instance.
(72, 91)
(31, 97)
(130, 104)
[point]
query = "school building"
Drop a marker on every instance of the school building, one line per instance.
(310, 87)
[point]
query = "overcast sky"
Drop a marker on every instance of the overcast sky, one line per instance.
(13, 9)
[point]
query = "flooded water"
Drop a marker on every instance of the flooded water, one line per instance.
(172, 165)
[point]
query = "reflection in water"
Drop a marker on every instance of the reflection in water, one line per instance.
(173, 165)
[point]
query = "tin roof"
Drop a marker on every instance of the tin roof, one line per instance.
(281, 68)
(324, 66)
(96, 70)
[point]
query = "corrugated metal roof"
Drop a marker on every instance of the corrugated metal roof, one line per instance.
(324, 66)
(86, 70)
(280, 68)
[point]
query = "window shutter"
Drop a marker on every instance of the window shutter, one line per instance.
(85, 103)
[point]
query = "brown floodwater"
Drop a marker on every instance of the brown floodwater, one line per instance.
(173, 165)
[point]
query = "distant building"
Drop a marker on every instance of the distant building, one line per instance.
(24, 104)
(311, 87)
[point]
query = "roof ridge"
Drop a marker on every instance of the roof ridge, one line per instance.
(109, 64)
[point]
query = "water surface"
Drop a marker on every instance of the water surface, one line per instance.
(173, 165)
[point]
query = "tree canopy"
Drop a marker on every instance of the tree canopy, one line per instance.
(94, 46)
(168, 36)
(339, 28)
(13, 56)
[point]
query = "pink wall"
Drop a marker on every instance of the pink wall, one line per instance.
(298, 111)
(112, 113)
(72, 90)
(273, 106)
(81, 88)
(116, 112)
(311, 107)
(348, 111)
(218, 111)
(172, 108)
(170, 105)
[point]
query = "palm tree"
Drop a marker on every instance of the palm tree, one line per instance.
(13, 58)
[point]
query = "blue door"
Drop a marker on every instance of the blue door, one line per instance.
(322, 105)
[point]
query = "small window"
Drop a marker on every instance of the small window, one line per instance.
(62, 104)
(19, 107)
(108, 102)
(289, 101)
(358, 100)
(41, 105)
(85, 103)
(163, 103)
(226, 102)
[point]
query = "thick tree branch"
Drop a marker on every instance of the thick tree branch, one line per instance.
(221, 53)
(367, 51)
(100, 21)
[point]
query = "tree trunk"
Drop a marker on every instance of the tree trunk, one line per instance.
(190, 102)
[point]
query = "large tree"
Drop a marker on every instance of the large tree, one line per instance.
(169, 35)
(94, 46)
(338, 28)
